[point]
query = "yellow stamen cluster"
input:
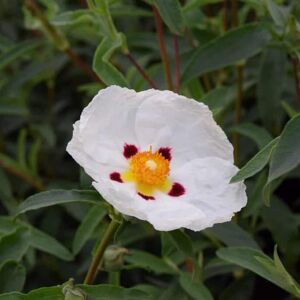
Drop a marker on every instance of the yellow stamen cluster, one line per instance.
(149, 168)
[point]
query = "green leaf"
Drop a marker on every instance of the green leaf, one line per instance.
(87, 227)
(182, 242)
(285, 236)
(286, 154)
(259, 263)
(278, 13)
(56, 197)
(234, 46)
(95, 292)
(150, 262)
(196, 290)
(232, 235)
(12, 277)
(46, 243)
(258, 134)
(14, 245)
(170, 12)
(108, 73)
(270, 86)
(17, 51)
(256, 163)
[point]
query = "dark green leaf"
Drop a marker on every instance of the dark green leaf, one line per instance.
(87, 227)
(56, 197)
(256, 163)
(286, 154)
(170, 12)
(12, 277)
(196, 290)
(234, 46)
(182, 242)
(270, 86)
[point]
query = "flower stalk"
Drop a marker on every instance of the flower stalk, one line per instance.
(162, 46)
(97, 259)
(60, 40)
(177, 62)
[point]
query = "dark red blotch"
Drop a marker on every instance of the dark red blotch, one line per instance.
(115, 176)
(146, 197)
(129, 150)
(165, 152)
(176, 190)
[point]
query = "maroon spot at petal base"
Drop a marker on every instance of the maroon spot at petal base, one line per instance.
(176, 190)
(129, 150)
(165, 152)
(115, 176)
(146, 197)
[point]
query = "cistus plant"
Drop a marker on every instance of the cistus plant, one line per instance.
(149, 149)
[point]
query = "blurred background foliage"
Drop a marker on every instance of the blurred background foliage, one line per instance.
(241, 58)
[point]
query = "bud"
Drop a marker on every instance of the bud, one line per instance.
(71, 292)
(113, 259)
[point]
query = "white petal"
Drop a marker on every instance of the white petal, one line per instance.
(168, 119)
(207, 186)
(163, 213)
(105, 125)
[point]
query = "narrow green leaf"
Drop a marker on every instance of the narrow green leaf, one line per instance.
(16, 51)
(101, 64)
(87, 227)
(286, 154)
(46, 243)
(234, 46)
(56, 197)
(270, 86)
(196, 290)
(93, 292)
(170, 12)
(278, 13)
(258, 134)
(233, 235)
(256, 163)
(182, 242)
(15, 245)
(12, 277)
(150, 262)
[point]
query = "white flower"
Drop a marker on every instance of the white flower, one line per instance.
(158, 156)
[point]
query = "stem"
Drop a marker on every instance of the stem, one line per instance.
(225, 15)
(162, 47)
(235, 13)
(177, 62)
(82, 65)
(238, 110)
(295, 62)
(60, 40)
(25, 177)
(141, 70)
(97, 259)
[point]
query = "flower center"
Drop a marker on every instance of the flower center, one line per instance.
(150, 168)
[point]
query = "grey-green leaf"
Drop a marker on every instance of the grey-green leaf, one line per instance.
(12, 277)
(286, 155)
(256, 163)
(196, 290)
(56, 197)
(170, 12)
(87, 227)
(232, 47)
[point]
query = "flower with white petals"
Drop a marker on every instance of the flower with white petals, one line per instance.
(158, 156)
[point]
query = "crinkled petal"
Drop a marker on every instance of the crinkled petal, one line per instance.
(207, 187)
(163, 213)
(166, 119)
(105, 125)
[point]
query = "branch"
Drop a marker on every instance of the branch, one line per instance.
(163, 51)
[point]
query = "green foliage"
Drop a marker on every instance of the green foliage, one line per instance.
(51, 222)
